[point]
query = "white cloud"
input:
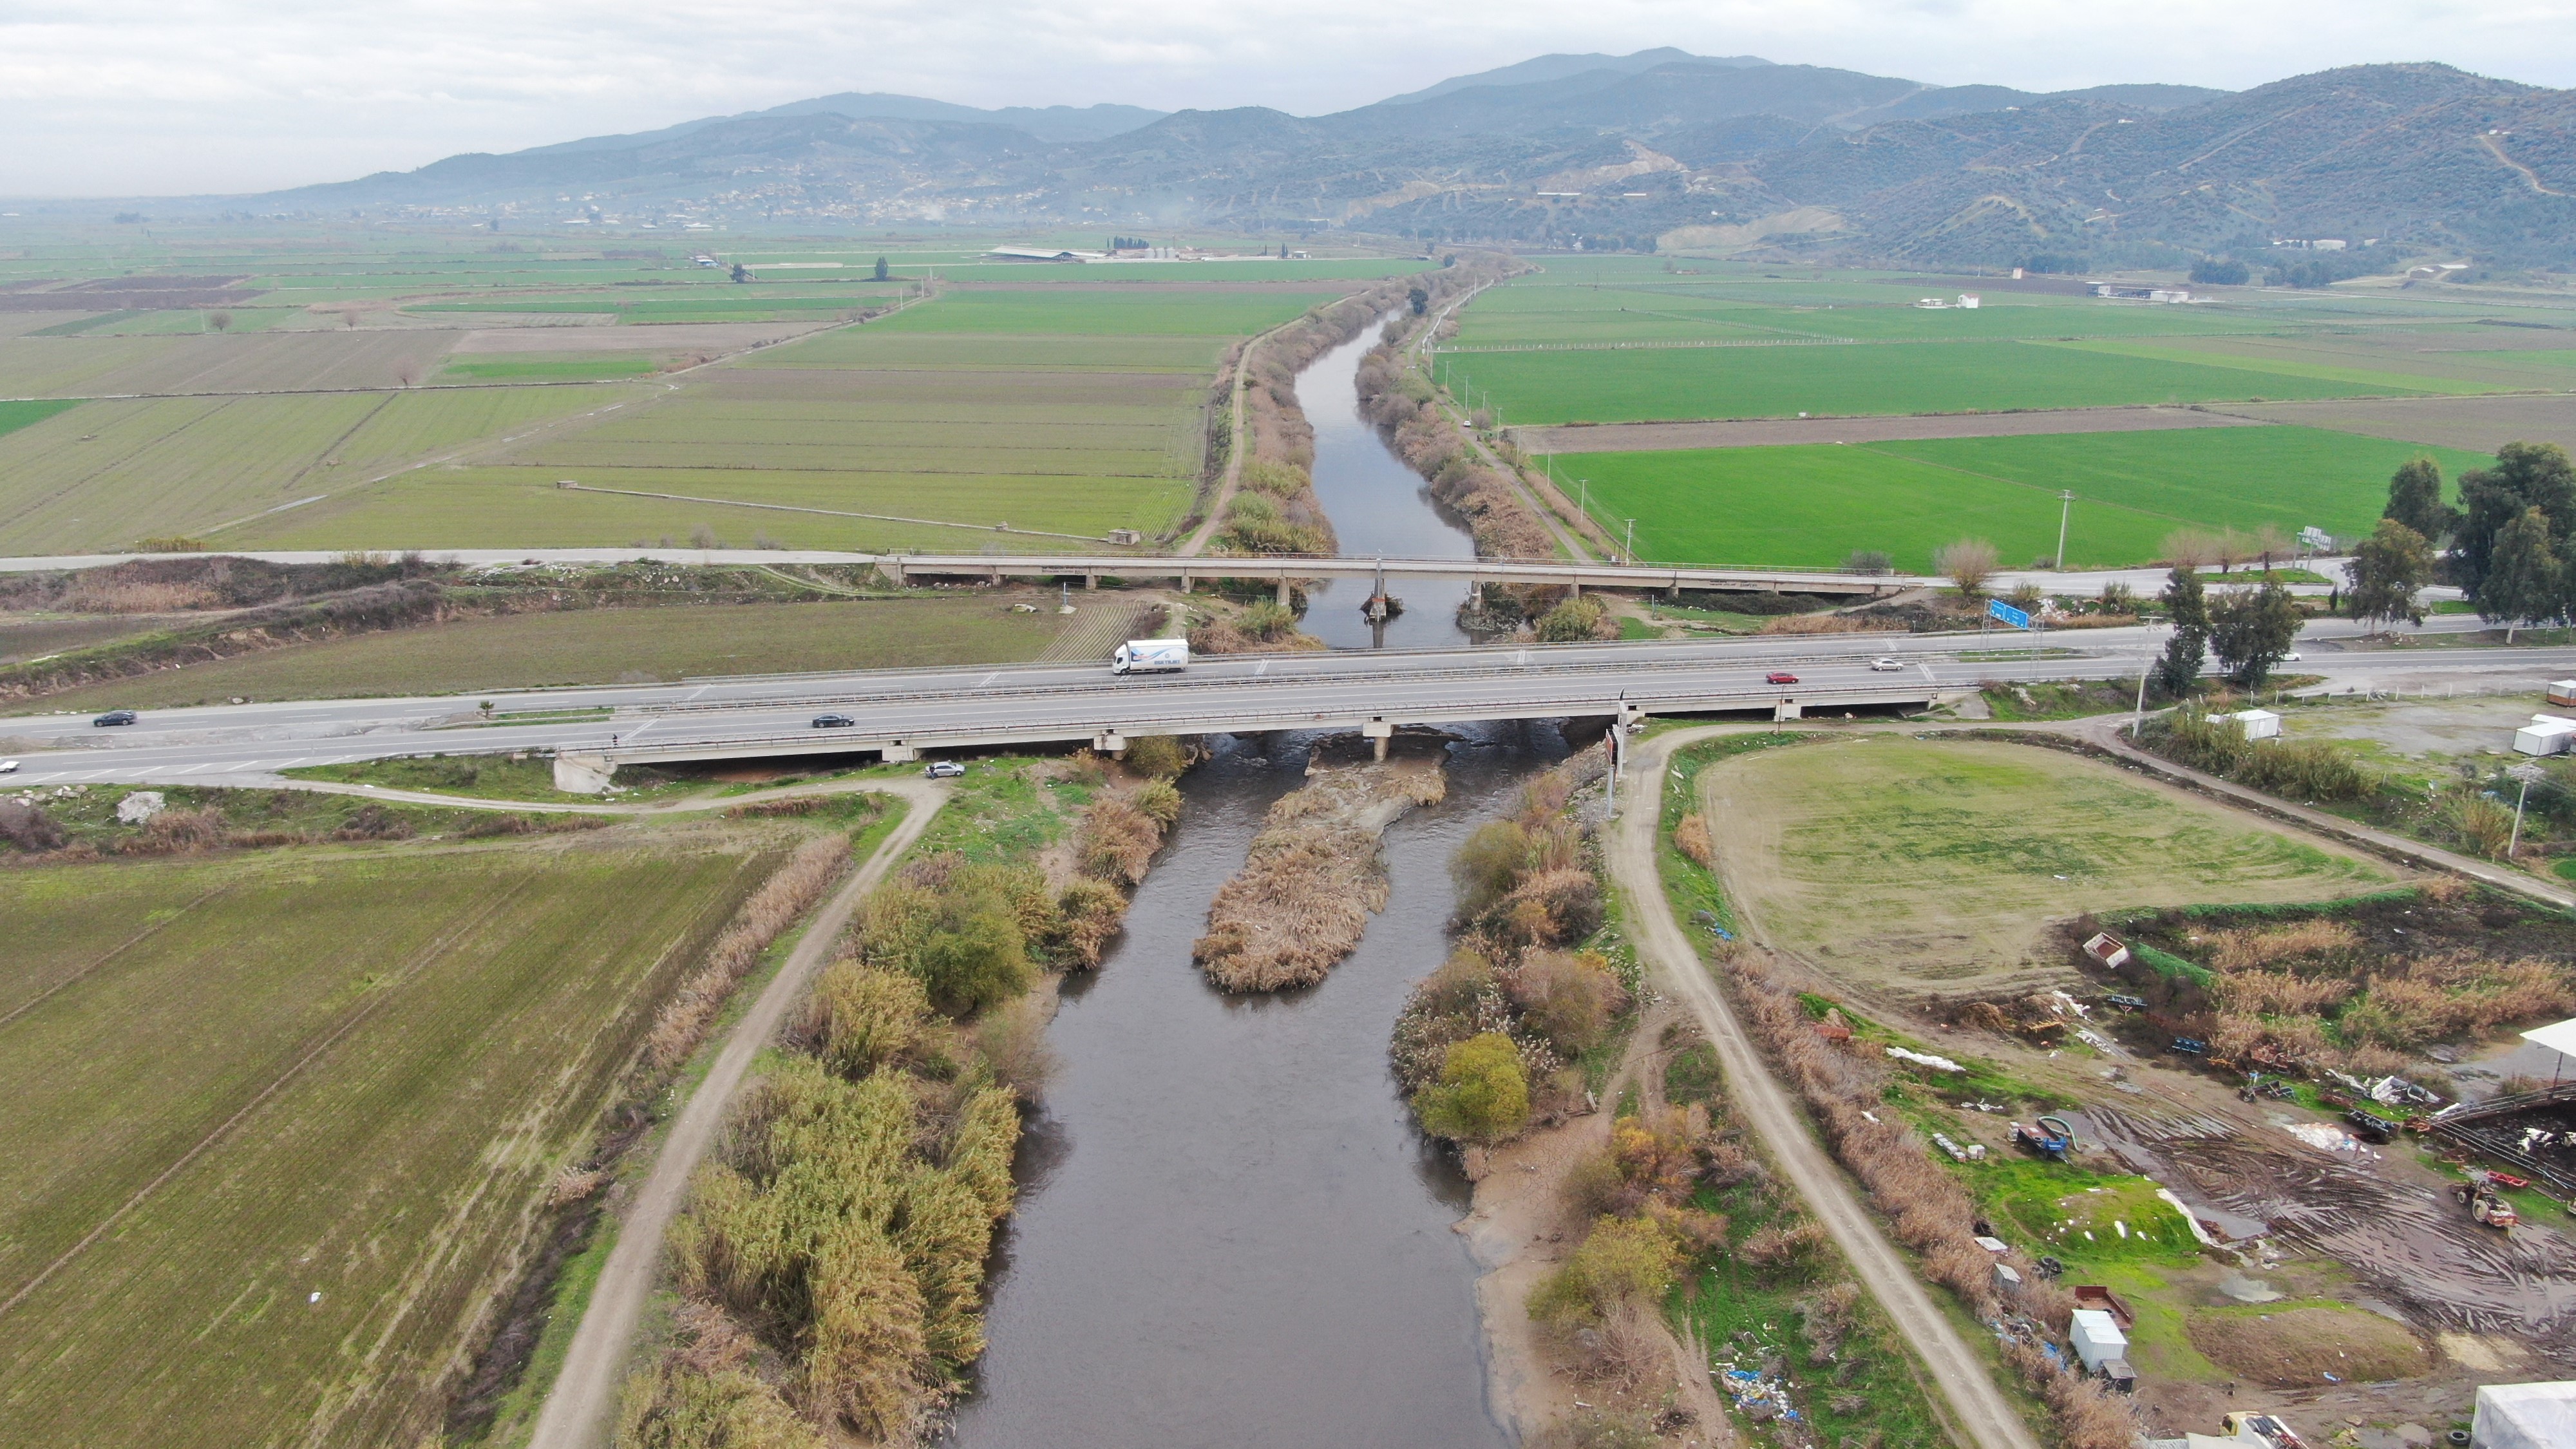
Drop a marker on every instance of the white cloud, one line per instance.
(114, 97)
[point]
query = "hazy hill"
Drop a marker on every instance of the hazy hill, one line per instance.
(1629, 149)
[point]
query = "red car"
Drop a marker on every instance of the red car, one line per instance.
(1781, 676)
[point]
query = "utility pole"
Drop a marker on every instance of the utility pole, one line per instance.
(2526, 774)
(2065, 511)
(2138, 717)
(1631, 549)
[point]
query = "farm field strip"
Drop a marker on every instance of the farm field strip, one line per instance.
(1813, 504)
(327, 1144)
(601, 646)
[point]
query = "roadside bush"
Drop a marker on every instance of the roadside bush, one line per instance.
(1278, 480)
(1567, 998)
(28, 827)
(963, 929)
(1482, 1094)
(1690, 837)
(2304, 770)
(1575, 621)
(1267, 622)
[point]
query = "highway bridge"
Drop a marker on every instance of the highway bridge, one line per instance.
(591, 731)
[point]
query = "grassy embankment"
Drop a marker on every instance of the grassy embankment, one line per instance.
(828, 1273)
(312, 1096)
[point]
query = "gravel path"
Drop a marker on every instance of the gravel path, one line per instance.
(580, 1407)
(1980, 1409)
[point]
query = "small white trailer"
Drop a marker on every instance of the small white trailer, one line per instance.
(2097, 1338)
(2547, 734)
(2258, 724)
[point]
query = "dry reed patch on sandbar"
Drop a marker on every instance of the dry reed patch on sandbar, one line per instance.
(1313, 876)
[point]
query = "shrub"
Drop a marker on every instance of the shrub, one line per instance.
(1569, 999)
(679, 1408)
(975, 957)
(862, 1018)
(1574, 621)
(1482, 1094)
(2304, 770)
(1119, 840)
(1157, 755)
(1624, 1260)
(1088, 915)
(1487, 865)
(1278, 480)
(1690, 837)
(28, 827)
(1160, 800)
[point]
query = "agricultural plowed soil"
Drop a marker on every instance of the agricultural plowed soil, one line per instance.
(1774, 432)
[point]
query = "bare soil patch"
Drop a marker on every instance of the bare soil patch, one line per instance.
(1772, 432)
(2480, 423)
(2300, 1347)
(665, 337)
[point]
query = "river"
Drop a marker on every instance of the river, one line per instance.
(1229, 1232)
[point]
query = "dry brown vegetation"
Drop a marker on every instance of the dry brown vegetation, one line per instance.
(779, 903)
(1404, 407)
(2296, 1347)
(1926, 1208)
(1313, 876)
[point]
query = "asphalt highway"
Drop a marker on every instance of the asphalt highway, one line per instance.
(984, 705)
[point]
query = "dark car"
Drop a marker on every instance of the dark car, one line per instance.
(115, 717)
(1780, 676)
(2370, 1126)
(833, 721)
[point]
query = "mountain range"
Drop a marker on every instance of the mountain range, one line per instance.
(1731, 152)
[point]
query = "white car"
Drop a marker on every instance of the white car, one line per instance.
(1885, 662)
(2290, 658)
(8, 767)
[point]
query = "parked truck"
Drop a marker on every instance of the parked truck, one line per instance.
(1151, 656)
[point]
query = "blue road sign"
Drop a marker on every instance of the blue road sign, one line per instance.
(1998, 609)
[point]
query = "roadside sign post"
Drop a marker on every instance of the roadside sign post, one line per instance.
(2526, 774)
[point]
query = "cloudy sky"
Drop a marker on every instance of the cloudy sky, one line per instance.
(123, 97)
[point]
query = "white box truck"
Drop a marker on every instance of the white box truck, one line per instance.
(1151, 656)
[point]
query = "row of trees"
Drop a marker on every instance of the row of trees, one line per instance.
(2508, 540)
(2250, 630)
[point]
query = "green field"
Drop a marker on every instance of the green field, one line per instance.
(1965, 851)
(606, 646)
(1813, 504)
(280, 1119)
(585, 368)
(1105, 313)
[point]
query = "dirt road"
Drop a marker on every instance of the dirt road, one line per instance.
(579, 1408)
(1986, 1418)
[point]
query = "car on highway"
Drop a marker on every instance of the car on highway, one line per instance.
(1779, 676)
(1885, 662)
(833, 722)
(943, 769)
(115, 717)
(8, 767)
(2290, 658)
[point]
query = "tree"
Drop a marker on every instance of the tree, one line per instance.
(2250, 629)
(2184, 653)
(1969, 563)
(741, 273)
(2526, 475)
(1868, 561)
(2524, 582)
(883, 271)
(1418, 299)
(2415, 500)
(220, 321)
(1482, 1094)
(2387, 568)
(2213, 272)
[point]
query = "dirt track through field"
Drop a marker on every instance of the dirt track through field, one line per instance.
(1983, 1414)
(1777, 432)
(579, 1407)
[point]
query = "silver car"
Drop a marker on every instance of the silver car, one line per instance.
(1885, 662)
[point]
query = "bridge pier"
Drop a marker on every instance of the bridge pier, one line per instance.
(1091, 580)
(1377, 732)
(1786, 709)
(1283, 589)
(1109, 742)
(896, 752)
(585, 773)
(902, 575)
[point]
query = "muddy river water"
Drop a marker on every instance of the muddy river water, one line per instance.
(1229, 1232)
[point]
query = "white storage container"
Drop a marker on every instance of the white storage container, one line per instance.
(2547, 734)
(2098, 1338)
(2524, 1416)
(2259, 724)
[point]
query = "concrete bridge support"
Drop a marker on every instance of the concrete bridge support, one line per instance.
(1786, 709)
(1377, 732)
(583, 773)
